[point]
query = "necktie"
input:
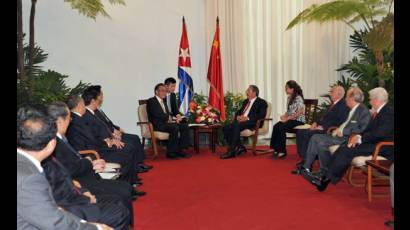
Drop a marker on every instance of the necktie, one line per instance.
(163, 106)
(70, 147)
(374, 114)
(330, 108)
(246, 107)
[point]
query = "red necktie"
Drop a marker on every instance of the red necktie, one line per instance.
(374, 114)
(246, 107)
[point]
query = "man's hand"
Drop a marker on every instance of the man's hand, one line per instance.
(117, 134)
(109, 142)
(98, 165)
(118, 143)
(93, 200)
(353, 141)
(313, 126)
(337, 133)
(103, 226)
(242, 118)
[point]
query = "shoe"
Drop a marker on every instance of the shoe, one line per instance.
(134, 197)
(297, 170)
(138, 183)
(138, 193)
(240, 150)
(300, 163)
(389, 223)
(145, 166)
(282, 155)
(184, 155)
(322, 185)
(172, 157)
(229, 154)
(274, 154)
(141, 170)
(319, 175)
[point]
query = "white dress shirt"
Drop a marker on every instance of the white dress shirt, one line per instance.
(161, 102)
(246, 112)
(77, 114)
(91, 111)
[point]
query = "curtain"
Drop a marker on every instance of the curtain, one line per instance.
(256, 49)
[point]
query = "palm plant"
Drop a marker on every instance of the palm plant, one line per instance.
(380, 34)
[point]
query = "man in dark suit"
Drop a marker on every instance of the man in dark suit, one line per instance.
(107, 209)
(380, 128)
(253, 109)
(84, 169)
(36, 207)
(171, 98)
(356, 122)
(119, 134)
(161, 119)
(334, 116)
(81, 136)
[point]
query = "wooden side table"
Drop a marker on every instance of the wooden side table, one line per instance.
(211, 130)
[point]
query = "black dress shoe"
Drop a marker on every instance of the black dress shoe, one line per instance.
(172, 157)
(145, 166)
(228, 155)
(138, 193)
(138, 183)
(134, 197)
(389, 223)
(141, 170)
(322, 185)
(297, 170)
(240, 150)
(184, 155)
(282, 155)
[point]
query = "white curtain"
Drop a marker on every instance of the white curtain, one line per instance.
(256, 49)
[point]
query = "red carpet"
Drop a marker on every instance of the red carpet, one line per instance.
(249, 192)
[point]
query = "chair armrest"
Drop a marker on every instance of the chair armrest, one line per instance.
(379, 146)
(258, 124)
(92, 152)
(143, 123)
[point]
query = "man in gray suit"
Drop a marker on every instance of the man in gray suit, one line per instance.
(356, 122)
(36, 208)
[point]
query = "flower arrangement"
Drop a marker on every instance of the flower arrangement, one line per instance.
(203, 114)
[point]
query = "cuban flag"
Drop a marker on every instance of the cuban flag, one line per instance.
(186, 87)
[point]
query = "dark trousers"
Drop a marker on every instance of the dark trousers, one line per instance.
(302, 140)
(232, 132)
(108, 210)
(178, 136)
(278, 138)
(125, 158)
(120, 189)
(342, 158)
(136, 142)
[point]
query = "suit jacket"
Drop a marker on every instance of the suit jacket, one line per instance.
(36, 207)
(358, 122)
(96, 126)
(173, 111)
(80, 135)
(336, 116)
(381, 128)
(258, 110)
(104, 118)
(79, 168)
(155, 113)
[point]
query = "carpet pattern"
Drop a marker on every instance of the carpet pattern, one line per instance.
(248, 192)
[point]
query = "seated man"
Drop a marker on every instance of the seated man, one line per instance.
(356, 122)
(334, 116)
(253, 109)
(171, 98)
(380, 128)
(107, 209)
(159, 116)
(36, 207)
(86, 131)
(119, 134)
(83, 169)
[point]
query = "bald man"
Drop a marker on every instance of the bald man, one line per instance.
(334, 116)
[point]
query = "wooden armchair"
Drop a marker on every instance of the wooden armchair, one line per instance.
(97, 156)
(247, 133)
(147, 129)
(358, 164)
(310, 111)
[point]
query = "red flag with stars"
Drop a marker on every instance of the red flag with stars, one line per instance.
(216, 91)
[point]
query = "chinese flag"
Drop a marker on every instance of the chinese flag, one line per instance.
(216, 91)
